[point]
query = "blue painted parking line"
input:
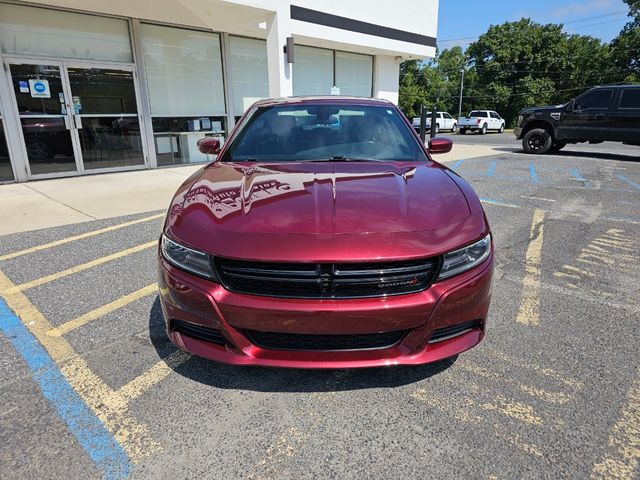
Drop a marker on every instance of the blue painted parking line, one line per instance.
(630, 182)
(457, 164)
(576, 174)
(491, 169)
(95, 439)
(533, 174)
(500, 203)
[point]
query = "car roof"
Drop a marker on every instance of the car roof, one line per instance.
(320, 99)
(615, 86)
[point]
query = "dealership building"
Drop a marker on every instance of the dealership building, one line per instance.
(88, 86)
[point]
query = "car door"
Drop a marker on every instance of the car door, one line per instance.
(624, 119)
(588, 118)
(447, 121)
(495, 121)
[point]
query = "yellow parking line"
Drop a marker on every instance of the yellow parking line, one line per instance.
(279, 452)
(93, 233)
(155, 374)
(102, 311)
(624, 440)
(529, 312)
(78, 268)
(109, 407)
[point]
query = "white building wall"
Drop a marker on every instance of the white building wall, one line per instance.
(386, 72)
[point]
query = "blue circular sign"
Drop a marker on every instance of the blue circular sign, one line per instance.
(39, 87)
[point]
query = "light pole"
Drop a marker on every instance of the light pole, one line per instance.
(461, 90)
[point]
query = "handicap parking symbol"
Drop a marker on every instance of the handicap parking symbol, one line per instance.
(39, 88)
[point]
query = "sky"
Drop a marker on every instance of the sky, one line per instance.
(461, 21)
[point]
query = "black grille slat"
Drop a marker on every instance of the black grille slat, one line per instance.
(295, 341)
(452, 331)
(327, 280)
(198, 331)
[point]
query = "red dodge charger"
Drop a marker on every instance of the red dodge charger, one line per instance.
(325, 236)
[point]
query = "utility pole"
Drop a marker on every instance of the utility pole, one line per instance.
(461, 90)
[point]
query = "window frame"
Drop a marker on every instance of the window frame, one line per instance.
(623, 91)
(595, 91)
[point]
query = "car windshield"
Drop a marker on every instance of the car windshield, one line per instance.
(323, 132)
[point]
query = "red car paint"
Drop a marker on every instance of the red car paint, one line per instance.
(328, 212)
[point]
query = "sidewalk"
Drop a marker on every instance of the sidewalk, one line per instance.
(63, 201)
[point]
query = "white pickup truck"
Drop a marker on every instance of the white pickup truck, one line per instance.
(444, 121)
(481, 121)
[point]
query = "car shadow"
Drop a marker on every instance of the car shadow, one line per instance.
(581, 154)
(261, 379)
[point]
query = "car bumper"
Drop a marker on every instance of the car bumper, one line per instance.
(455, 301)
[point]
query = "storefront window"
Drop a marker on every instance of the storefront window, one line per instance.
(354, 74)
(312, 71)
(248, 72)
(317, 70)
(52, 33)
(186, 93)
(6, 173)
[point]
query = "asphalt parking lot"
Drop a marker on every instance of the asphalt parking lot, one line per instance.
(91, 387)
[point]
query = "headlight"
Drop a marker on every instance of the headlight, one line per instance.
(185, 258)
(465, 259)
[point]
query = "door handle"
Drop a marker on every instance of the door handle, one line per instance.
(77, 119)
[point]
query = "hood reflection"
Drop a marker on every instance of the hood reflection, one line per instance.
(232, 188)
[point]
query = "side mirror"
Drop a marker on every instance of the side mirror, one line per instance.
(209, 146)
(440, 145)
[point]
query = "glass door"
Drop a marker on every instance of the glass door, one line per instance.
(105, 116)
(41, 93)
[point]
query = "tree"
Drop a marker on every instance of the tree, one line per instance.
(625, 48)
(523, 63)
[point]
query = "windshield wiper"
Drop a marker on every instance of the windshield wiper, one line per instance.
(342, 158)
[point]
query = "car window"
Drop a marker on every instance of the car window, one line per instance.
(294, 133)
(630, 98)
(446, 115)
(494, 115)
(594, 99)
(478, 113)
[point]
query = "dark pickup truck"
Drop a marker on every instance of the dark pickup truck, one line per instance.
(601, 114)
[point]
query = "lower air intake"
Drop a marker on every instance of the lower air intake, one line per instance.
(446, 333)
(295, 341)
(199, 332)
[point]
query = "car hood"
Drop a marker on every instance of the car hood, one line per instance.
(320, 199)
(546, 109)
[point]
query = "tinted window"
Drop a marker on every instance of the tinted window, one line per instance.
(446, 115)
(630, 98)
(494, 115)
(477, 113)
(295, 133)
(594, 99)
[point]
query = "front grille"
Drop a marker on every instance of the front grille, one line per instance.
(326, 280)
(445, 333)
(197, 331)
(296, 341)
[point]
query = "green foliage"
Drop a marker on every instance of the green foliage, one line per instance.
(625, 48)
(521, 64)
